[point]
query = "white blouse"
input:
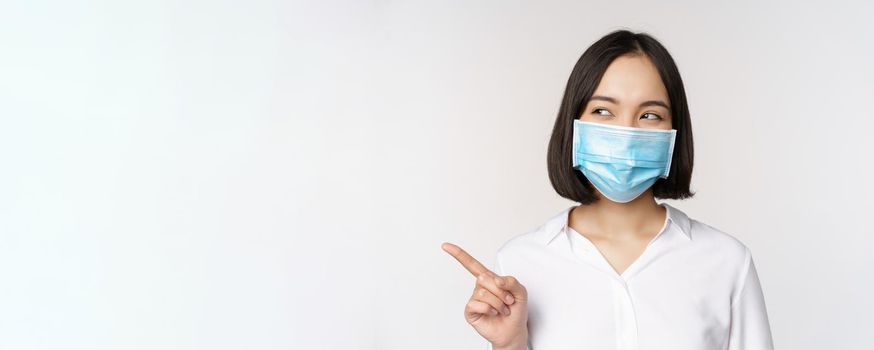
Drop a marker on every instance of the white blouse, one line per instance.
(694, 287)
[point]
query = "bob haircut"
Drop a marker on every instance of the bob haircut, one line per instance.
(584, 79)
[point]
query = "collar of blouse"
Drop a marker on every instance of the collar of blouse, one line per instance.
(558, 223)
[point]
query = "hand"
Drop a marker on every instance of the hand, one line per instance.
(498, 308)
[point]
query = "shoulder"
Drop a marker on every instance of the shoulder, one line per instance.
(707, 234)
(727, 254)
(530, 245)
(706, 238)
(525, 246)
(719, 245)
(521, 242)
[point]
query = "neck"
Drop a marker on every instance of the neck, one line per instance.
(611, 219)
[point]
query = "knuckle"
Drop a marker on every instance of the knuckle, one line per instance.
(481, 277)
(482, 281)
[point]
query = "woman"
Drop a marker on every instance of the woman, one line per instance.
(620, 271)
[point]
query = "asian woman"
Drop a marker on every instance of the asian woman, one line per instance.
(620, 270)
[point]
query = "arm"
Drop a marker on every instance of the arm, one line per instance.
(750, 329)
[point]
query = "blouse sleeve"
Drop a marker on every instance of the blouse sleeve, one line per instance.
(749, 329)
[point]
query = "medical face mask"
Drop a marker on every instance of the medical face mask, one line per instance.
(622, 162)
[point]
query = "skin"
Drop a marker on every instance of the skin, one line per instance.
(620, 231)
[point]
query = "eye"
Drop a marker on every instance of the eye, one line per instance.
(657, 117)
(595, 111)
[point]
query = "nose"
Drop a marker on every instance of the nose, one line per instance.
(628, 121)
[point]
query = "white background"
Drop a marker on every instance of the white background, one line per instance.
(280, 175)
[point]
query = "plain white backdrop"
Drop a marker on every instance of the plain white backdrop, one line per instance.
(280, 175)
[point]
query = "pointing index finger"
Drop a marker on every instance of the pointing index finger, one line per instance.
(469, 263)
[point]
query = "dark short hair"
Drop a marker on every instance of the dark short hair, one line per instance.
(584, 79)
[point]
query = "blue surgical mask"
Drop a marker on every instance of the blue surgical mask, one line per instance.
(622, 162)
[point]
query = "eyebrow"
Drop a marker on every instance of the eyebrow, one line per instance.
(643, 104)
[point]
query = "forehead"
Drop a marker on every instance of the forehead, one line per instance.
(632, 78)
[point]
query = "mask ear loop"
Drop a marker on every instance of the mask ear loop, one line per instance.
(671, 153)
(574, 145)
